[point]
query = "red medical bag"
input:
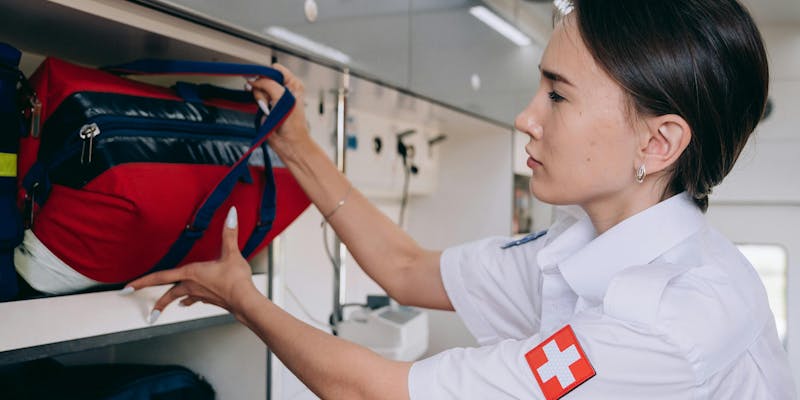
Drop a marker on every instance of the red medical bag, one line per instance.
(119, 178)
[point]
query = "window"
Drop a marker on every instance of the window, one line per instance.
(771, 263)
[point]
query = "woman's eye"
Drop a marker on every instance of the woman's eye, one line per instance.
(555, 97)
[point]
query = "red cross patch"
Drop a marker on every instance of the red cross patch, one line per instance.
(559, 364)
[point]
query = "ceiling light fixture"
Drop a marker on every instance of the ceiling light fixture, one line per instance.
(307, 44)
(500, 25)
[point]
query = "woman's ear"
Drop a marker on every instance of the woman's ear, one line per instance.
(666, 139)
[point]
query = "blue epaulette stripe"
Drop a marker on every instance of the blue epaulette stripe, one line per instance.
(526, 239)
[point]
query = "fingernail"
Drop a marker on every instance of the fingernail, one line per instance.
(263, 106)
(233, 219)
(248, 87)
(153, 316)
(126, 291)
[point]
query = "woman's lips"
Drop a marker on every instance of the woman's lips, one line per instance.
(533, 163)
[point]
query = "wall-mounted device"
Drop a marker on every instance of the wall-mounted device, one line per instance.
(407, 151)
(434, 141)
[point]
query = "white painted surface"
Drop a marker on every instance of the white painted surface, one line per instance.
(473, 200)
(56, 319)
(230, 357)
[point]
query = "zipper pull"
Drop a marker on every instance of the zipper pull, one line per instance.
(88, 131)
(30, 206)
(36, 115)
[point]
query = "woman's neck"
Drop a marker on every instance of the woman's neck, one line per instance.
(607, 212)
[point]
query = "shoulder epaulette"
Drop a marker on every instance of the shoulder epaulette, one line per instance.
(526, 239)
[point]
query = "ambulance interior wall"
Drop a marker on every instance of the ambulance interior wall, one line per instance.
(470, 200)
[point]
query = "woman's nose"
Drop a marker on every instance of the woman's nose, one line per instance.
(527, 123)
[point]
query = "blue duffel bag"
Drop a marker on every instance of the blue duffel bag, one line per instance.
(47, 379)
(11, 127)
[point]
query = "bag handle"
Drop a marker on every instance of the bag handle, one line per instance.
(204, 213)
(180, 67)
(193, 92)
(268, 209)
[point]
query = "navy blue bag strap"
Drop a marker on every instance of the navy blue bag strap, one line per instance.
(156, 66)
(268, 208)
(193, 92)
(202, 217)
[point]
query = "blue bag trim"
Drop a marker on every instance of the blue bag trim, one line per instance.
(267, 211)
(157, 66)
(37, 183)
(118, 111)
(130, 146)
(9, 55)
(188, 92)
(206, 211)
(526, 239)
(205, 91)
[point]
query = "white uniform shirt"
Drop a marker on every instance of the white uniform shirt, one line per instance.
(662, 305)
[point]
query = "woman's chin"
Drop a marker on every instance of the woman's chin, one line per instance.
(549, 196)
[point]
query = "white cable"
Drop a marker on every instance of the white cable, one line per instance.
(304, 310)
(327, 249)
(404, 199)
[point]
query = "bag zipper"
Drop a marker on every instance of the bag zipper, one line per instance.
(84, 143)
(113, 126)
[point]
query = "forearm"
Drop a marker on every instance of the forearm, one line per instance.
(385, 252)
(331, 367)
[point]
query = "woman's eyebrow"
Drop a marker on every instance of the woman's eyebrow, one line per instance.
(555, 77)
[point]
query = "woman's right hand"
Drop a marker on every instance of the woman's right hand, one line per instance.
(295, 129)
(408, 273)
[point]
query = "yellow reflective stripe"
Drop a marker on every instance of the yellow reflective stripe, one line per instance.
(8, 165)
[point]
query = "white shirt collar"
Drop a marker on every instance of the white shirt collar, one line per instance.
(590, 263)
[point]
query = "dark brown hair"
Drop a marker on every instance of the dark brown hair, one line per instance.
(703, 60)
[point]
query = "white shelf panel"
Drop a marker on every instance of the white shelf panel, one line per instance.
(103, 32)
(52, 320)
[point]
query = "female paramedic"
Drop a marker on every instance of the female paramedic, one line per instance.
(643, 107)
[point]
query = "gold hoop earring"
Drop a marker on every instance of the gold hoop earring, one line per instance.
(640, 174)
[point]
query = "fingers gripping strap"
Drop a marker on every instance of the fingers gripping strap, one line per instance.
(223, 189)
(154, 66)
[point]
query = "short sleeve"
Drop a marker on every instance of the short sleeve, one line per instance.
(630, 362)
(495, 291)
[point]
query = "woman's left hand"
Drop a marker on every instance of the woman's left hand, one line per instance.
(223, 282)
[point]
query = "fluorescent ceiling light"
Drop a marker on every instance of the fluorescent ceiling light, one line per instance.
(500, 25)
(307, 44)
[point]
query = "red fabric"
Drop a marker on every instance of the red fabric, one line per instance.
(574, 365)
(56, 79)
(123, 222)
